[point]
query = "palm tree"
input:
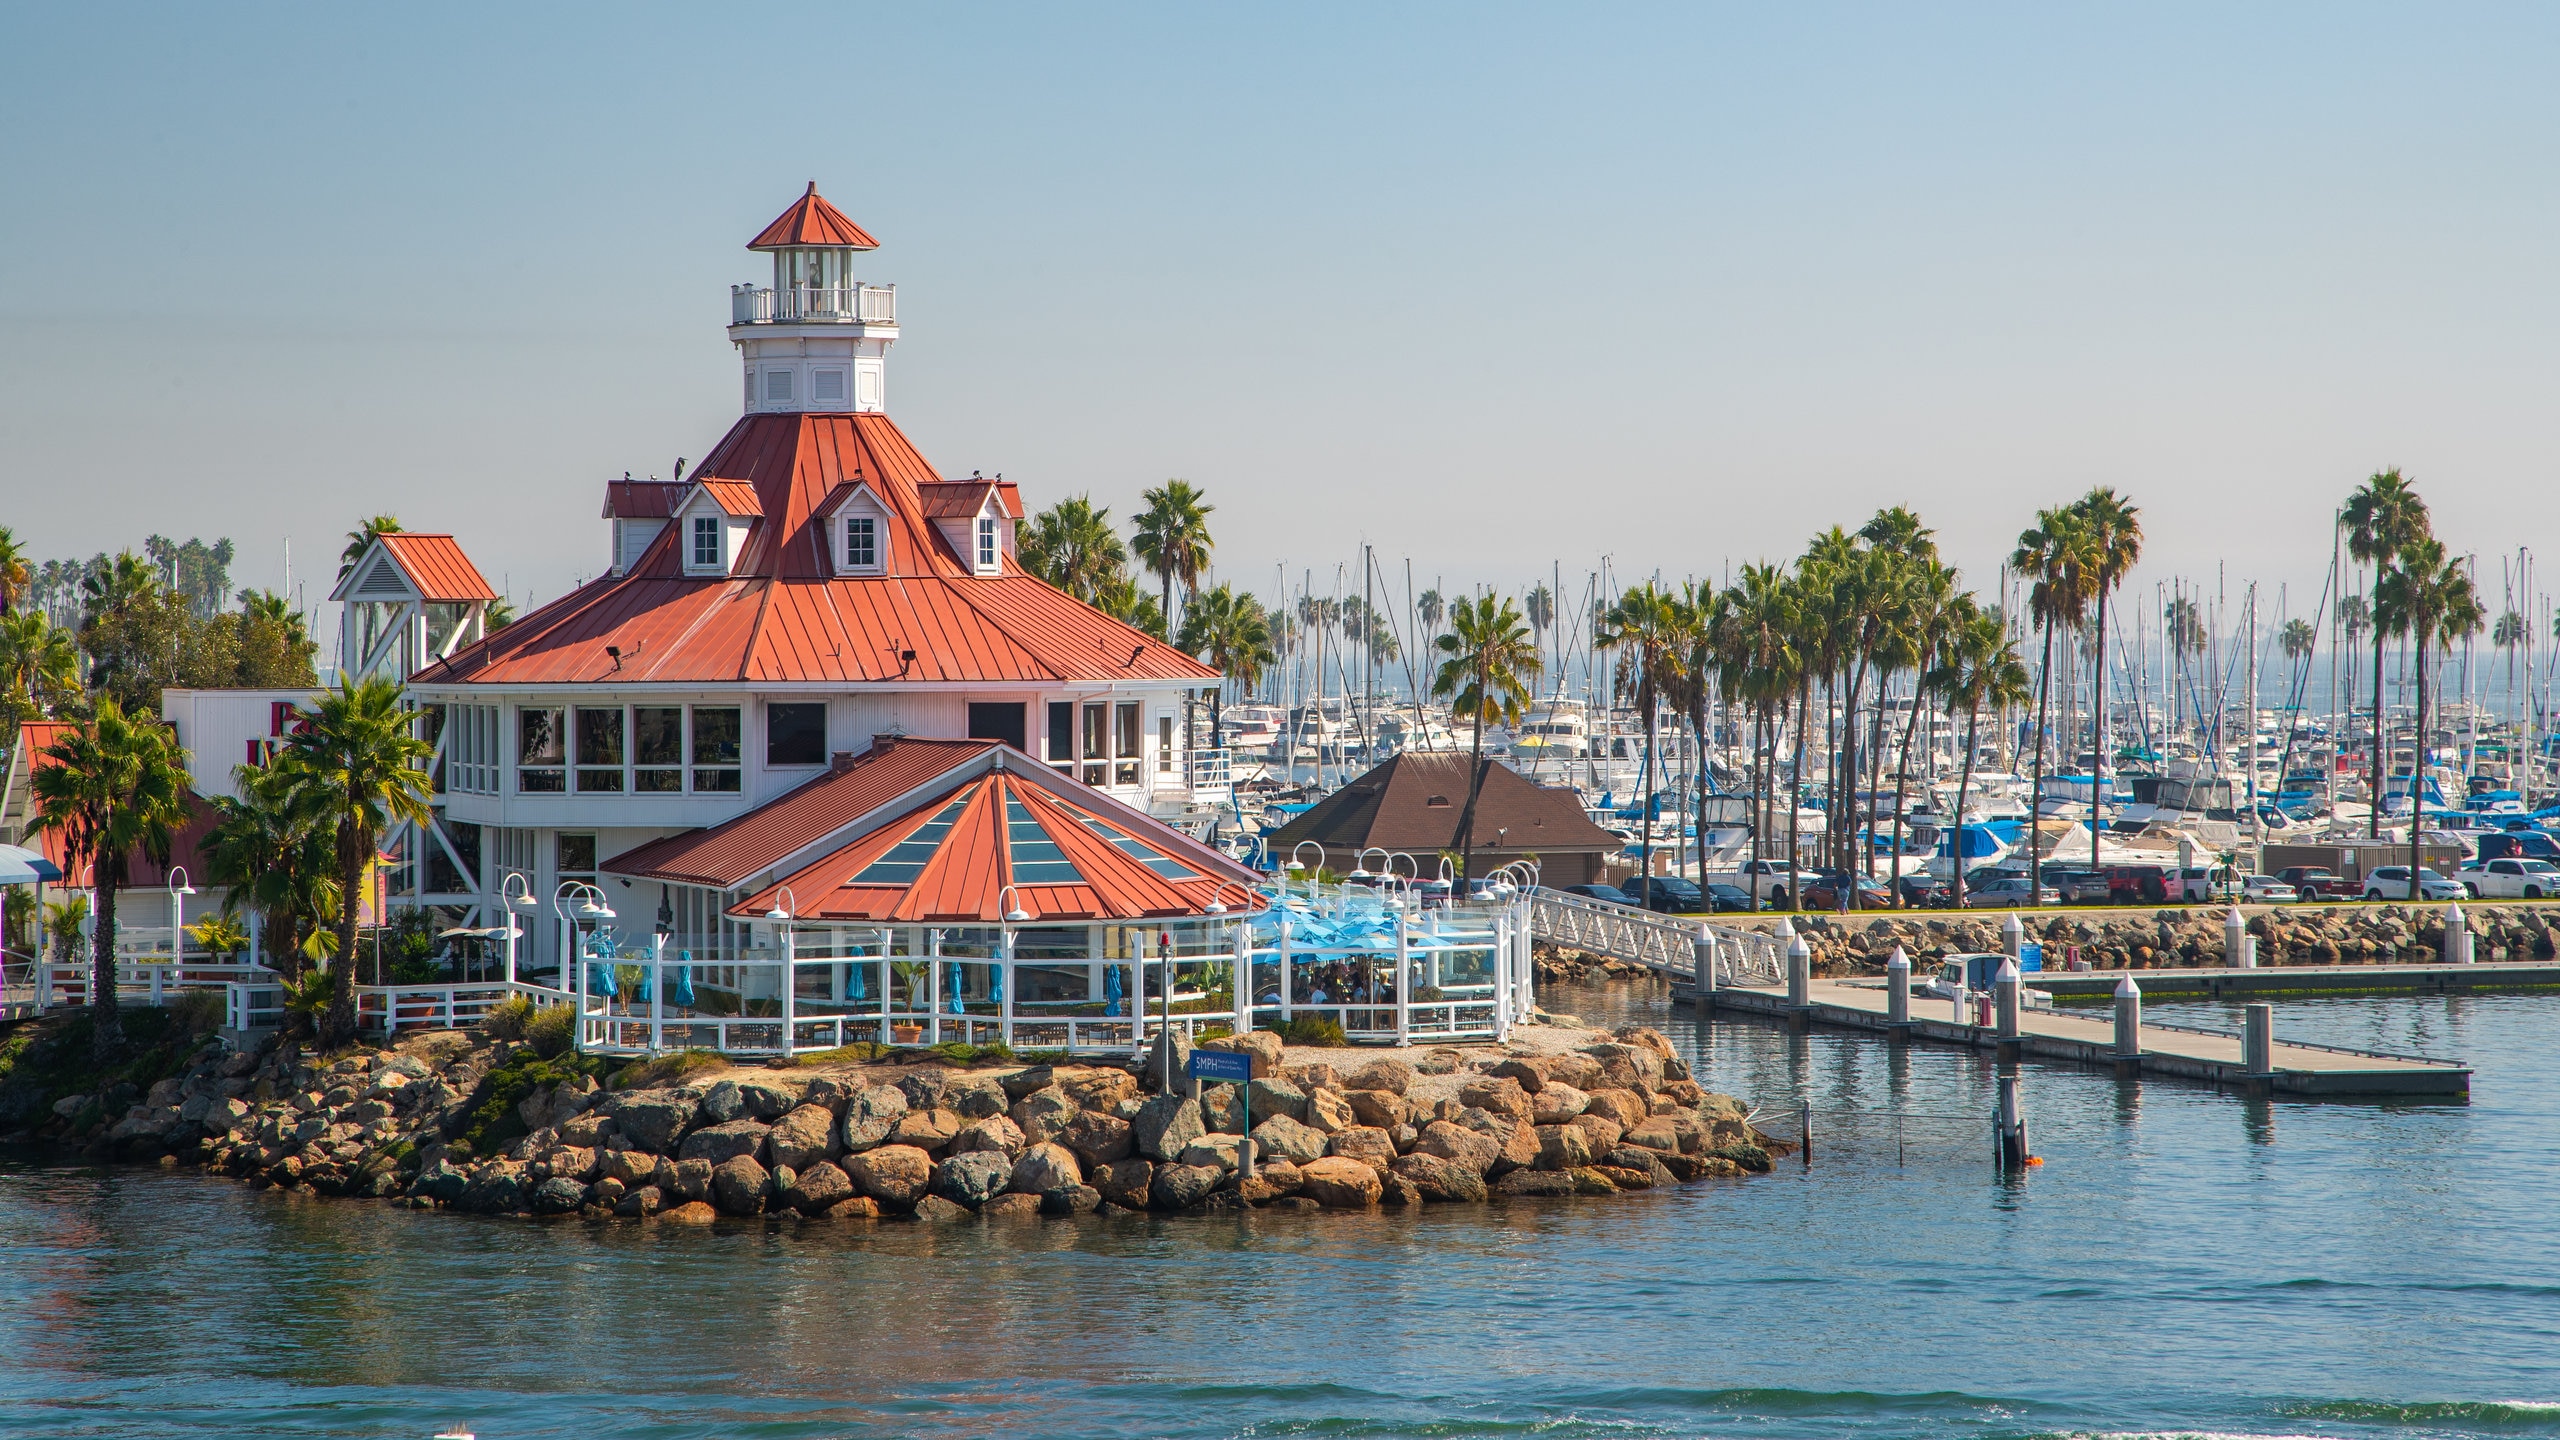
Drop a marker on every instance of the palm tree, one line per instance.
(115, 790)
(2298, 639)
(1490, 673)
(1431, 607)
(274, 855)
(2383, 517)
(361, 537)
(1233, 634)
(1757, 662)
(1932, 613)
(1647, 626)
(1073, 547)
(1172, 538)
(1980, 667)
(13, 570)
(2057, 557)
(2510, 635)
(2433, 596)
(2115, 531)
(362, 761)
(39, 666)
(1540, 606)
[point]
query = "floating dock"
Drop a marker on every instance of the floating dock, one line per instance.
(2298, 1069)
(2219, 983)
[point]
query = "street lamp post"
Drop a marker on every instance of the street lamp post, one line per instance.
(1013, 915)
(786, 907)
(179, 890)
(591, 906)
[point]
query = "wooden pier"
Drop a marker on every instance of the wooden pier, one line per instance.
(2303, 1070)
(2220, 983)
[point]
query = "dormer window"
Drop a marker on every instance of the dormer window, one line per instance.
(706, 543)
(986, 543)
(861, 543)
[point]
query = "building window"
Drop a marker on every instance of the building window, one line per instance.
(777, 385)
(1125, 744)
(861, 543)
(826, 385)
(986, 543)
(795, 734)
(715, 749)
(1062, 736)
(1164, 744)
(706, 542)
(1097, 744)
(657, 749)
(540, 752)
(600, 751)
(577, 858)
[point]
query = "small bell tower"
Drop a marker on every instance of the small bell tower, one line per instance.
(816, 339)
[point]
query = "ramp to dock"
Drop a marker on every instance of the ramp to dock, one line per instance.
(1665, 943)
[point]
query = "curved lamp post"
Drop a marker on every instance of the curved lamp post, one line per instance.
(786, 910)
(509, 902)
(591, 907)
(179, 890)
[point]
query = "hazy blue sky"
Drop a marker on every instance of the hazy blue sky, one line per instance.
(1493, 287)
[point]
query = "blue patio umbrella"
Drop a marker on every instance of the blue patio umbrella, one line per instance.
(958, 1005)
(995, 984)
(854, 980)
(640, 991)
(1111, 989)
(602, 982)
(680, 987)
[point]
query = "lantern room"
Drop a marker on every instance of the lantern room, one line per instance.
(817, 338)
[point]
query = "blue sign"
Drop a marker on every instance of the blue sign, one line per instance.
(1221, 1065)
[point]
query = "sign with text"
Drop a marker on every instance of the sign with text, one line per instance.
(1228, 1065)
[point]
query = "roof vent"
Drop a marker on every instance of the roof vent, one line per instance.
(1440, 802)
(841, 761)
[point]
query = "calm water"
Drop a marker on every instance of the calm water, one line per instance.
(2186, 1262)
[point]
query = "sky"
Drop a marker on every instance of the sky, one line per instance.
(1500, 290)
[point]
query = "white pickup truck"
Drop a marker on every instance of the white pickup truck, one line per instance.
(1770, 880)
(2510, 879)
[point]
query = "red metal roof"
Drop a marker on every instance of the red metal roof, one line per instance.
(186, 845)
(641, 499)
(784, 614)
(959, 499)
(812, 221)
(737, 497)
(1101, 858)
(730, 852)
(436, 565)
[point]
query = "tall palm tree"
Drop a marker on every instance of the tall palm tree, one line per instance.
(2298, 639)
(1979, 667)
(39, 666)
(1073, 547)
(2057, 557)
(2432, 594)
(2384, 516)
(1933, 612)
(14, 574)
(274, 854)
(1490, 673)
(1431, 608)
(114, 790)
(363, 764)
(1540, 606)
(1172, 538)
(1233, 634)
(361, 537)
(2510, 635)
(2115, 532)
(1757, 662)
(1646, 626)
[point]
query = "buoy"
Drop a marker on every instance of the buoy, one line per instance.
(2035, 1159)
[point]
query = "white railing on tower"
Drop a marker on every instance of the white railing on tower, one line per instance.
(851, 304)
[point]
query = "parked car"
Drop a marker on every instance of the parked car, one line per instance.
(1827, 892)
(1771, 880)
(2140, 884)
(1925, 891)
(2079, 886)
(2511, 879)
(2268, 890)
(1610, 893)
(1722, 897)
(2009, 892)
(2313, 883)
(1668, 894)
(2391, 882)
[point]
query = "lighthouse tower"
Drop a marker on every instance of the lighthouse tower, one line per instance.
(816, 339)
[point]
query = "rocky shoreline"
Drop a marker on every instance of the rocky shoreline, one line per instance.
(2136, 940)
(465, 1121)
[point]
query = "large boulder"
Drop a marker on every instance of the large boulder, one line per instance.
(802, 1137)
(1563, 1147)
(1626, 1107)
(1440, 1178)
(1072, 1200)
(1327, 1111)
(1285, 1139)
(926, 1129)
(1022, 1082)
(1604, 1132)
(1165, 1125)
(1043, 1168)
(739, 1185)
(1517, 1140)
(818, 1189)
(653, 1119)
(1340, 1183)
(1661, 1132)
(724, 1102)
(1393, 1076)
(1126, 1183)
(1097, 1139)
(993, 1133)
(973, 1179)
(1582, 1072)
(770, 1097)
(1155, 1056)
(1013, 1206)
(1500, 1094)
(1385, 1109)
(1262, 1045)
(1529, 1070)
(975, 1097)
(1276, 1097)
(1223, 1152)
(934, 1210)
(871, 1114)
(1366, 1144)
(1534, 1182)
(891, 1174)
(1222, 1108)
(691, 1180)
(1179, 1187)
(1556, 1102)
(1626, 1067)
(717, 1143)
(1458, 1145)
(923, 1086)
(1636, 1157)
(1099, 1088)
(1045, 1114)
(558, 1196)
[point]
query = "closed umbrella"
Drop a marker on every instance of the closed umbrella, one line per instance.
(854, 978)
(680, 987)
(1111, 990)
(995, 984)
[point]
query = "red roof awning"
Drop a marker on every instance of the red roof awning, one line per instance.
(812, 221)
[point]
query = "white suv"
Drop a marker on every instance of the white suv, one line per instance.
(2391, 882)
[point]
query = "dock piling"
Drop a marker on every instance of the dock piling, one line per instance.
(2004, 1002)
(2258, 1041)
(2128, 1023)
(2011, 1125)
(1799, 973)
(1897, 989)
(2457, 936)
(1703, 951)
(2239, 947)
(2013, 936)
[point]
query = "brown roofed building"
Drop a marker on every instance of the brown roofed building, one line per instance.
(1412, 804)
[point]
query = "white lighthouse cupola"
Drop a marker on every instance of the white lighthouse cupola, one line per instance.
(817, 339)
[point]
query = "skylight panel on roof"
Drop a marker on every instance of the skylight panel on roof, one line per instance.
(1153, 859)
(905, 861)
(1037, 860)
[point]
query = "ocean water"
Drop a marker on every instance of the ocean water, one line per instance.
(2186, 1262)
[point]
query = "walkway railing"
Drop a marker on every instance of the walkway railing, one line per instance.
(851, 304)
(1666, 943)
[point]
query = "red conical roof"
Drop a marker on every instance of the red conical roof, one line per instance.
(812, 221)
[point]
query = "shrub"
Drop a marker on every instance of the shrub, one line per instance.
(194, 1012)
(506, 1019)
(492, 1119)
(1313, 1030)
(551, 1030)
(664, 1069)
